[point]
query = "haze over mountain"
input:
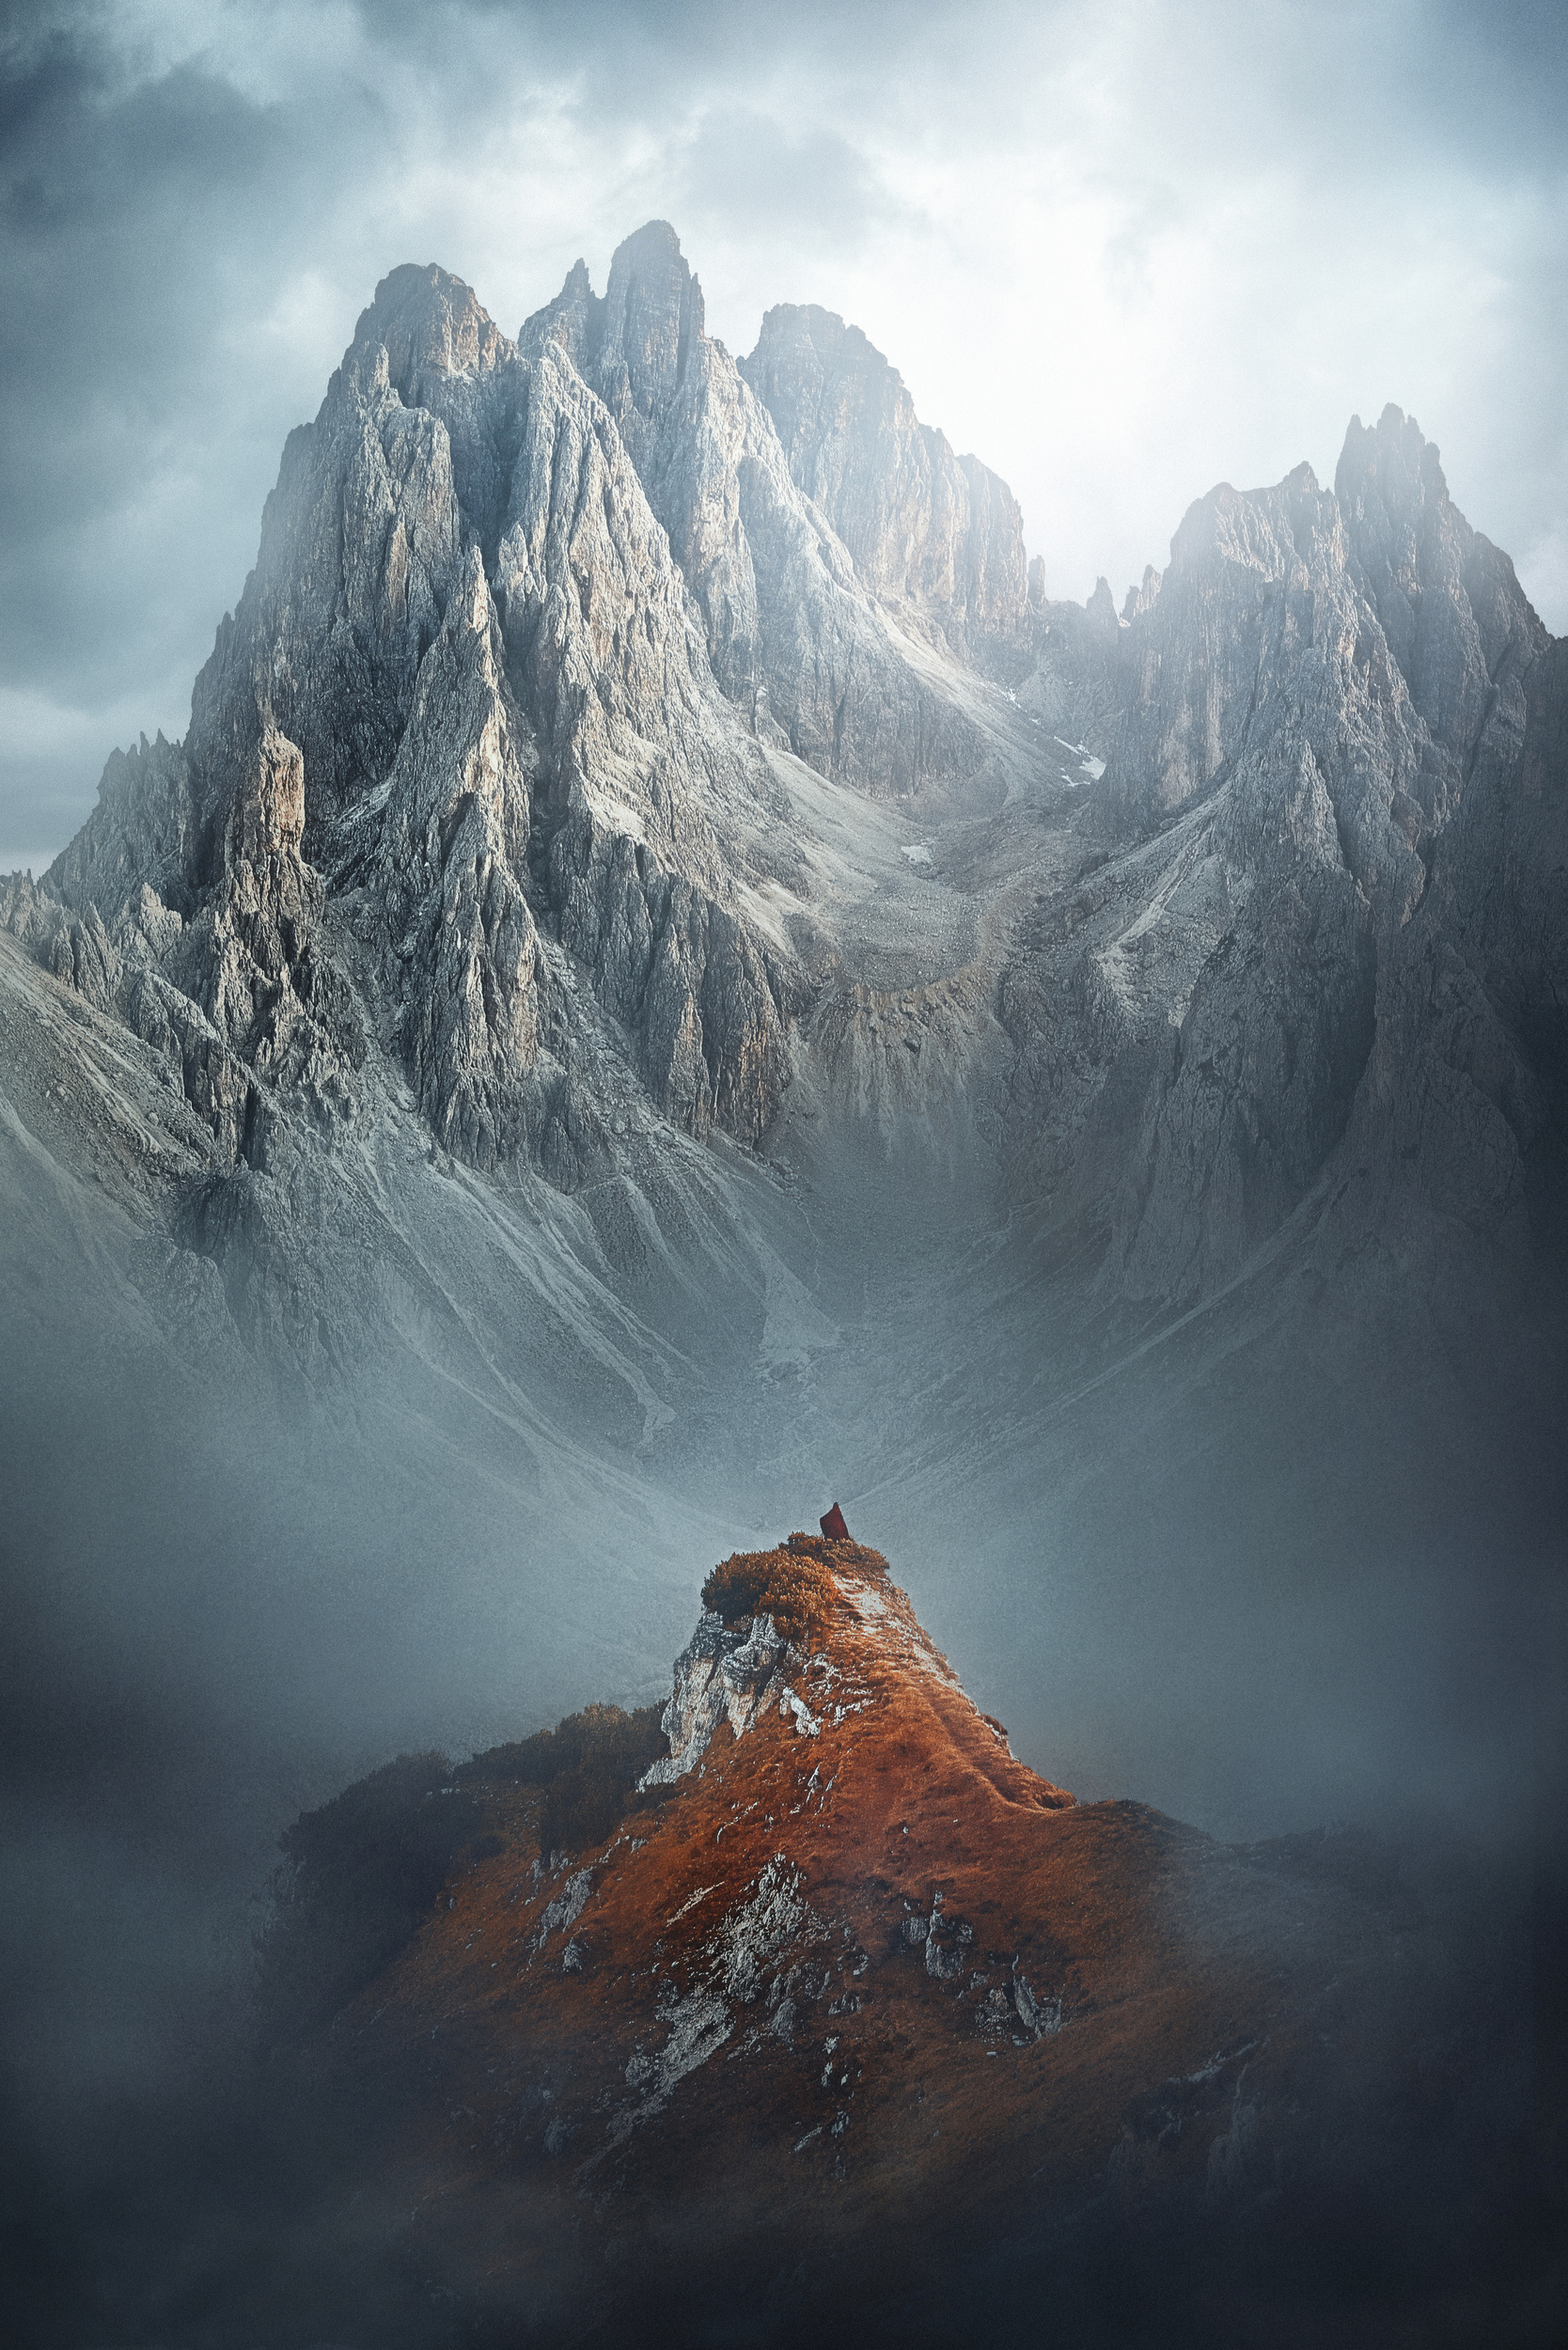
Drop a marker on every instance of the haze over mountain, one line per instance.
(666, 974)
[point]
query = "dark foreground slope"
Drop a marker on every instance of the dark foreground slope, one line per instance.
(851, 2026)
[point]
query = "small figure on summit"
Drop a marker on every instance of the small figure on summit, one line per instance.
(834, 1528)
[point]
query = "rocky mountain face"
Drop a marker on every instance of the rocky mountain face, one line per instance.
(550, 783)
(466, 713)
(461, 692)
(794, 640)
(925, 527)
(507, 773)
(1323, 709)
(666, 968)
(850, 1994)
(553, 771)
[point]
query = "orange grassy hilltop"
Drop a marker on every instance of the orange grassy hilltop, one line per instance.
(846, 1985)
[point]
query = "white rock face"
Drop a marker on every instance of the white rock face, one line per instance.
(735, 1966)
(721, 1675)
(924, 526)
(698, 2028)
(1255, 982)
(792, 635)
(757, 1929)
(462, 951)
(808, 1725)
(463, 684)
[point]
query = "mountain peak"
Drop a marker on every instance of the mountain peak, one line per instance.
(641, 330)
(574, 320)
(653, 313)
(1101, 606)
(655, 242)
(821, 382)
(1391, 464)
(810, 1631)
(801, 344)
(923, 525)
(427, 318)
(1448, 602)
(838, 1938)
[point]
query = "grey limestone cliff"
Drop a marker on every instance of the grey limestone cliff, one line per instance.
(1279, 973)
(463, 691)
(792, 636)
(609, 736)
(925, 527)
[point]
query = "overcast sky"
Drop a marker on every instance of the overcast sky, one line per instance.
(1122, 251)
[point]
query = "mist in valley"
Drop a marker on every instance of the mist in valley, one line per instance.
(1246, 1571)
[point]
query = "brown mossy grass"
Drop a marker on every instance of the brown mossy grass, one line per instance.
(796, 1585)
(361, 1873)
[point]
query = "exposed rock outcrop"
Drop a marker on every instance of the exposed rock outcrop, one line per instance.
(791, 635)
(508, 704)
(1284, 974)
(721, 1675)
(125, 972)
(462, 682)
(462, 948)
(144, 831)
(924, 525)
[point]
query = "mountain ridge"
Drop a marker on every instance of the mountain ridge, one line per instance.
(481, 1003)
(859, 1989)
(578, 765)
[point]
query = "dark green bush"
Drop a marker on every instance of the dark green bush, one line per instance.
(357, 1877)
(587, 1766)
(360, 1874)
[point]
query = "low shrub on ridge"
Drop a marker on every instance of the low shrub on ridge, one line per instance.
(794, 1585)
